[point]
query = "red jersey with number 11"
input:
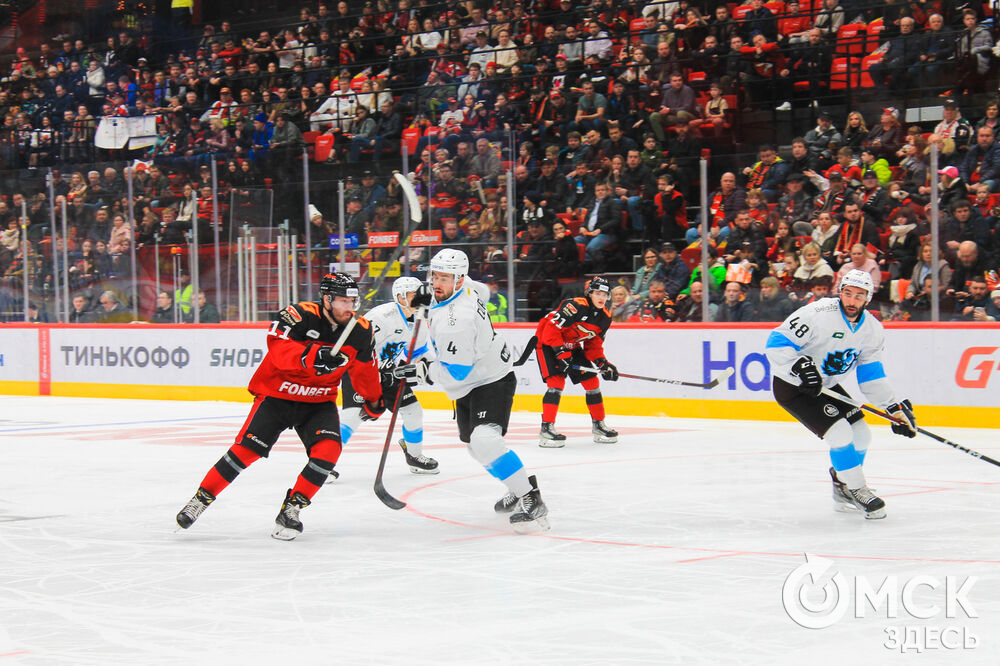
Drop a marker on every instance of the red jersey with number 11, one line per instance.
(284, 374)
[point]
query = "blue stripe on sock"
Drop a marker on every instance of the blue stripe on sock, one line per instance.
(504, 466)
(413, 436)
(861, 456)
(845, 457)
(345, 433)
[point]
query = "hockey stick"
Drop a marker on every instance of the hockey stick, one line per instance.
(380, 490)
(893, 419)
(404, 242)
(723, 376)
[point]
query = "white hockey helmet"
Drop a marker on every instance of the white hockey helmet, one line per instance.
(404, 285)
(451, 261)
(861, 280)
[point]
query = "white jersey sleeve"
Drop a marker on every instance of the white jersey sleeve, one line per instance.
(786, 342)
(392, 333)
(871, 375)
(469, 352)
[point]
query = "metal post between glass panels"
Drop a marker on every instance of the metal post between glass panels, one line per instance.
(705, 291)
(935, 237)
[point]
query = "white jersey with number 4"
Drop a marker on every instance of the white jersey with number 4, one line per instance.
(821, 331)
(392, 333)
(469, 352)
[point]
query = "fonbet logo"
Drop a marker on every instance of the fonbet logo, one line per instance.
(803, 582)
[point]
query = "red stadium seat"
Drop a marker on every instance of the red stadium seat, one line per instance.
(843, 68)
(851, 39)
(866, 63)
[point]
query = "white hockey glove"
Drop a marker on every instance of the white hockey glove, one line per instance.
(414, 373)
(903, 411)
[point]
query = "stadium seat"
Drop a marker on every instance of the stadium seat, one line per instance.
(866, 63)
(851, 39)
(845, 73)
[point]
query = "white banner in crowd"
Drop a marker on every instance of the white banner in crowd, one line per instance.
(956, 368)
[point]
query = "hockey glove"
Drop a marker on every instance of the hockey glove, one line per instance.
(808, 374)
(608, 371)
(422, 297)
(563, 358)
(370, 411)
(414, 373)
(325, 361)
(903, 411)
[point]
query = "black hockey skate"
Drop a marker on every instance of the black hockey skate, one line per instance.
(867, 501)
(842, 500)
(194, 508)
(549, 438)
(420, 464)
(533, 515)
(508, 502)
(603, 434)
(287, 525)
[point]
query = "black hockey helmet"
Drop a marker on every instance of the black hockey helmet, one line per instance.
(597, 283)
(339, 284)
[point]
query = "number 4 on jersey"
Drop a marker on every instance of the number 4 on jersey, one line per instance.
(452, 348)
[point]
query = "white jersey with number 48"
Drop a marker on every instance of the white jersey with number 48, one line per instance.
(469, 352)
(821, 331)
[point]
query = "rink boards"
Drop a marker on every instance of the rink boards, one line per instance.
(951, 372)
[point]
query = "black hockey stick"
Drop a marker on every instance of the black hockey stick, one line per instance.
(380, 490)
(926, 433)
(723, 376)
(528, 348)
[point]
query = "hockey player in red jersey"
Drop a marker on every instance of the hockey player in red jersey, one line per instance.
(296, 387)
(573, 335)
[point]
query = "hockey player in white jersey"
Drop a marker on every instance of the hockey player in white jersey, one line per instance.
(817, 345)
(472, 364)
(392, 327)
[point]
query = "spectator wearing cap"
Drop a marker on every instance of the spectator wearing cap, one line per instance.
(954, 133)
(892, 72)
(952, 187)
(872, 198)
(356, 218)
(556, 119)
(870, 160)
(221, 109)
(982, 162)
(260, 146)
(672, 271)
(823, 139)
(482, 52)
(496, 307)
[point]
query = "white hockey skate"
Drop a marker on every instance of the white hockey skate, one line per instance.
(549, 438)
(862, 500)
(420, 464)
(603, 434)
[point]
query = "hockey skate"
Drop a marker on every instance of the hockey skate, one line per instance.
(533, 515)
(867, 501)
(842, 500)
(420, 464)
(333, 476)
(603, 434)
(194, 508)
(508, 502)
(549, 438)
(287, 525)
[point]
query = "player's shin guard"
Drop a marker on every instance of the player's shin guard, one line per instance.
(235, 460)
(487, 446)
(550, 404)
(322, 457)
(413, 428)
(862, 438)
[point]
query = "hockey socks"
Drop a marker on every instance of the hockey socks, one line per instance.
(322, 457)
(550, 403)
(487, 446)
(235, 460)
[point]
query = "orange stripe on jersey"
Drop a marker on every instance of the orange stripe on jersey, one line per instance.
(310, 307)
(363, 323)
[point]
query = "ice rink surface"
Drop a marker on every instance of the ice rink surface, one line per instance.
(671, 547)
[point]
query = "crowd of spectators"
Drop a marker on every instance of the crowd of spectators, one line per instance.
(599, 110)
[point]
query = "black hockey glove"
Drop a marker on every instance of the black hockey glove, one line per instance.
(370, 411)
(423, 296)
(608, 371)
(805, 370)
(563, 357)
(325, 361)
(903, 411)
(414, 373)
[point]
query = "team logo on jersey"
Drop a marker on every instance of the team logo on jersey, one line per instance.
(291, 315)
(838, 334)
(830, 410)
(391, 350)
(839, 362)
(570, 309)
